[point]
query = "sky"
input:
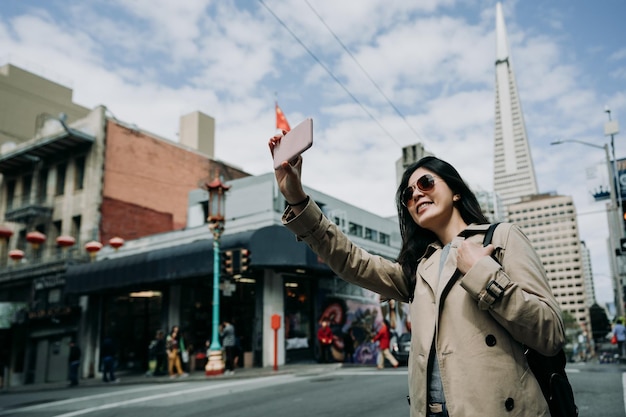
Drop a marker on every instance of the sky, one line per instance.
(375, 75)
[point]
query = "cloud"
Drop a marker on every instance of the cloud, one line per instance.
(151, 61)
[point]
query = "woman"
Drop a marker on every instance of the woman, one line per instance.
(383, 337)
(325, 339)
(470, 314)
(620, 334)
(172, 346)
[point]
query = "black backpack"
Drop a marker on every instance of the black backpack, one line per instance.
(549, 371)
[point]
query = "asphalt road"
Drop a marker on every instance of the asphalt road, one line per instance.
(362, 392)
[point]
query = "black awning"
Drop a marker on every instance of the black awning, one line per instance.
(190, 260)
(277, 247)
(270, 247)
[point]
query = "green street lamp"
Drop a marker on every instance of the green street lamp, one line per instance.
(217, 199)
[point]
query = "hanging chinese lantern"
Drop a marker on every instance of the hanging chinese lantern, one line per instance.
(16, 255)
(5, 233)
(116, 242)
(65, 241)
(93, 248)
(35, 238)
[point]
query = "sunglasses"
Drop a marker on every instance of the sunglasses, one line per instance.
(424, 183)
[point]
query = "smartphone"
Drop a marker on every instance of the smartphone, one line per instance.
(296, 141)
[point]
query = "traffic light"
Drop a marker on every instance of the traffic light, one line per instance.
(244, 260)
(227, 262)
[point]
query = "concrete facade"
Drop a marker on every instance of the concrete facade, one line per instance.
(26, 100)
(551, 224)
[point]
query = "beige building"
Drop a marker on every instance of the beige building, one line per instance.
(590, 289)
(550, 222)
(27, 101)
(410, 155)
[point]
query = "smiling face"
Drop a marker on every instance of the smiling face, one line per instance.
(432, 209)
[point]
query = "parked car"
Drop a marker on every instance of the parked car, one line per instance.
(400, 347)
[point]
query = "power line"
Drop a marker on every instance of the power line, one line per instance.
(329, 72)
(365, 72)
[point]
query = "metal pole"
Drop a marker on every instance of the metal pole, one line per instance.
(215, 364)
(215, 339)
(614, 226)
(614, 223)
(610, 129)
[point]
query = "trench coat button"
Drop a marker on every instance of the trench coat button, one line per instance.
(509, 404)
(490, 340)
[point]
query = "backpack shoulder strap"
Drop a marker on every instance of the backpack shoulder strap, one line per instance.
(489, 234)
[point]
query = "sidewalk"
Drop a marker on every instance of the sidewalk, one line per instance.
(135, 378)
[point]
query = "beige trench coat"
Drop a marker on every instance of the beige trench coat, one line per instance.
(479, 340)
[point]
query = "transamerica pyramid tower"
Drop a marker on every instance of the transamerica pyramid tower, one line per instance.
(514, 174)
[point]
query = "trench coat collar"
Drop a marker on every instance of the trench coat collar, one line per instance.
(428, 269)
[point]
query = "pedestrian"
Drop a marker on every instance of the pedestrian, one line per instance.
(348, 346)
(238, 351)
(157, 355)
(172, 345)
(107, 355)
(620, 334)
(74, 363)
(325, 339)
(383, 337)
(229, 344)
(472, 316)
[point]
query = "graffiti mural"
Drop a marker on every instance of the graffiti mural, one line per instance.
(354, 320)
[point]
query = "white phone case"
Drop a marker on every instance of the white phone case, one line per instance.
(296, 141)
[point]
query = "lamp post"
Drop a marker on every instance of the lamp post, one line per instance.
(217, 199)
(615, 227)
(611, 128)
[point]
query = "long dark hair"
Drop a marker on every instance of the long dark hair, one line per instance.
(415, 239)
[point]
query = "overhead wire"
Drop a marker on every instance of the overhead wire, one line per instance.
(345, 48)
(333, 76)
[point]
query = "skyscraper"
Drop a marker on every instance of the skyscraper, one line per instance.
(549, 220)
(514, 174)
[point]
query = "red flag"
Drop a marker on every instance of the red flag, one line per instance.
(281, 120)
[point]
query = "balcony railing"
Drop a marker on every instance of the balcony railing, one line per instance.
(28, 211)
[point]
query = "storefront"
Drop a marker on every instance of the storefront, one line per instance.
(132, 297)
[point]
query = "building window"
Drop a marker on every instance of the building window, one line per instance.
(384, 238)
(56, 232)
(10, 194)
(60, 188)
(79, 173)
(371, 234)
(42, 186)
(355, 229)
(27, 186)
(76, 229)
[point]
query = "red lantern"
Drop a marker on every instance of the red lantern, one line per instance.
(16, 255)
(65, 241)
(93, 248)
(5, 232)
(116, 242)
(35, 238)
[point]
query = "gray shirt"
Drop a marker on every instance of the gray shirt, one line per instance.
(229, 335)
(435, 387)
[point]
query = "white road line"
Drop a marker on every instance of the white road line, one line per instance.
(371, 372)
(88, 398)
(624, 388)
(270, 381)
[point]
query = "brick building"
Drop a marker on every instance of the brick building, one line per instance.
(86, 181)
